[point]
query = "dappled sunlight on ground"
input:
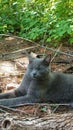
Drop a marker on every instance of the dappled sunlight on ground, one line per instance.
(11, 73)
(7, 67)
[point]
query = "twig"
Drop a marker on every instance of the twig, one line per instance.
(62, 62)
(51, 104)
(12, 109)
(56, 53)
(45, 50)
(53, 111)
(2, 110)
(20, 53)
(60, 52)
(7, 35)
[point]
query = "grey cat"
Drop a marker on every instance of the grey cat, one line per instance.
(40, 85)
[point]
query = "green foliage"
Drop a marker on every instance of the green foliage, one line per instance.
(44, 108)
(38, 20)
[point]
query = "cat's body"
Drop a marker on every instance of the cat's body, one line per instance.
(40, 85)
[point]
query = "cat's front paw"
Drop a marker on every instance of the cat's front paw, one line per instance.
(71, 105)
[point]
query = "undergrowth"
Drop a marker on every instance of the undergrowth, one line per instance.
(45, 21)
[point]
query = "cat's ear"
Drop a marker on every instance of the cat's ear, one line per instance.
(31, 56)
(47, 60)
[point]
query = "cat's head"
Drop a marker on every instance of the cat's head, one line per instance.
(38, 68)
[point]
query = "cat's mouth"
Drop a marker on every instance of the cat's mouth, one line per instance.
(37, 77)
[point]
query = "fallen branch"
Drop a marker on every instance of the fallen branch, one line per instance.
(7, 109)
(50, 104)
(59, 52)
(16, 54)
(50, 122)
(6, 35)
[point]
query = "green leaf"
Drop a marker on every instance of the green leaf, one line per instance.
(48, 39)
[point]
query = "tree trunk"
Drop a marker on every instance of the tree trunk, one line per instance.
(50, 122)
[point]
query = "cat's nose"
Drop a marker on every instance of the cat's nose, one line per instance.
(34, 74)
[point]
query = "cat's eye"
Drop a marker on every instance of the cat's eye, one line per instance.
(40, 68)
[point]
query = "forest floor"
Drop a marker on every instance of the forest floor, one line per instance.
(12, 70)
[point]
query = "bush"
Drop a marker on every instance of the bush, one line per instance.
(38, 20)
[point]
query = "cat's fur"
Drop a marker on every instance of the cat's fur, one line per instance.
(40, 85)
